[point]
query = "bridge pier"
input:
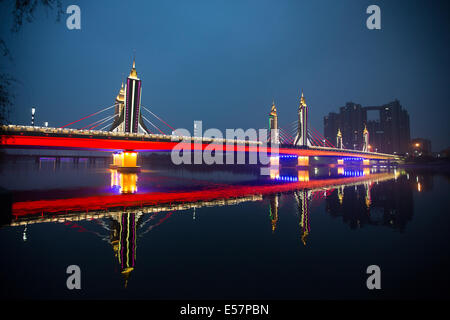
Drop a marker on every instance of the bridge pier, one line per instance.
(125, 161)
(302, 161)
(364, 162)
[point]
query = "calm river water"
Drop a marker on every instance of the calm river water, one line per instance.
(201, 233)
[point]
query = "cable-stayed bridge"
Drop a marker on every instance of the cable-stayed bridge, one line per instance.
(133, 127)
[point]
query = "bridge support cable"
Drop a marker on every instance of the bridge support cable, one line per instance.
(108, 125)
(90, 115)
(287, 137)
(286, 133)
(328, 142)
(323, 142)
(158, 118)
(290, 136)
(319, 139)
(109, 118)
(294, 129)
(282, 135)
(152, 124)
(313, 140)
(322, 138)
(316, 139)
(283, 138)
(99, 122)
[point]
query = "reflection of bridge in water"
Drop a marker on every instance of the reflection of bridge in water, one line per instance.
(94, 207)
(132, 212)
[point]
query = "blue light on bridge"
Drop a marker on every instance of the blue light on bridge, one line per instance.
(287, 178)
(288, 156)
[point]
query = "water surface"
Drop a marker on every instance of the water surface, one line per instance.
(172, 233)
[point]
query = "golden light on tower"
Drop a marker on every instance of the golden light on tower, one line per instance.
(302, 100)
(273, 124)
(133, 72)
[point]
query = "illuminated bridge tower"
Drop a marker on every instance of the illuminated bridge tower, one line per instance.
(301, 139)
(302, 198)
(130, 119)
(273, 125)
(366, 140)
(119, 110)
(339, 143)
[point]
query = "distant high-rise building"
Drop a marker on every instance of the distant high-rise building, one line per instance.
(350, 121)
(389, 132)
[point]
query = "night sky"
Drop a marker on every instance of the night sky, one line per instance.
(224, 61)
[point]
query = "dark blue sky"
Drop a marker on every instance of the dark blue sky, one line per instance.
(223, 61)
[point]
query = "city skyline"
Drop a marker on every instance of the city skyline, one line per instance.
(388, 126)
(188, 152)
(239, 64)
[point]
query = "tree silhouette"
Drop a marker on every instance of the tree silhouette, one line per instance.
(23, 12)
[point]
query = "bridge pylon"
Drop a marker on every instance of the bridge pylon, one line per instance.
(366, 140)
(301, 139)
(339, 143)
(273, 125)
(125, 161)
(128, 106)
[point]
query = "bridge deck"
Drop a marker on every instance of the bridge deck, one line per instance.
(56, 138)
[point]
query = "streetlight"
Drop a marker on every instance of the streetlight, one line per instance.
(46, 124)
(33, 110)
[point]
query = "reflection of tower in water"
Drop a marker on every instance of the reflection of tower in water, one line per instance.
(273, 210)
(367, 186)
(302, 198)
(340, 190)
(123, 241)
(123, 225)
